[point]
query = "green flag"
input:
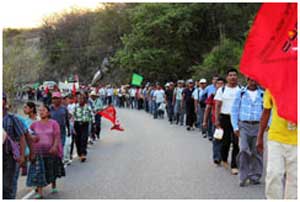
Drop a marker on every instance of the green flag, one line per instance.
(137, 79)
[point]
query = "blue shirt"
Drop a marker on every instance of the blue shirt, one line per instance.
(244, 109)
(61, 116)
(210, 89)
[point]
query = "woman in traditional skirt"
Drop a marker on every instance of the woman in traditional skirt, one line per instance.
(47, 166)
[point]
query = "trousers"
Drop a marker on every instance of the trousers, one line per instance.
(228, 139)
(282, 159)
(249, 160)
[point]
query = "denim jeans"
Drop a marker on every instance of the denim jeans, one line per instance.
(170, 109)
(15, 183)
(156, 105)
(210, 127)
(179, 113)
(9, 172)
(200, 116)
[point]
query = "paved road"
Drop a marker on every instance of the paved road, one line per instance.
(151, 159)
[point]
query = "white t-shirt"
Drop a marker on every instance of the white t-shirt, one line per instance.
(178, 92)
(132, 92)
(110, 91)
(252, 94)
(70, 107)
(159, 95)
(227, 98)
(197, 93)
(102, 92)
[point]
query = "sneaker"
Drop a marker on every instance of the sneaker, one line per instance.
(188, 128)
(234, 171)
(204, 136)
(38, 196)
(69, 162)
(54, 190)
(210, 138)
(254, 182)
(243, 183)
(83, 158)
(217, 163)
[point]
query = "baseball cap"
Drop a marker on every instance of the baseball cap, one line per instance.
(56, 94)
(93, 93)
(203, 81)
(190, 81)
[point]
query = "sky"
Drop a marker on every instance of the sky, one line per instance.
(29, 13)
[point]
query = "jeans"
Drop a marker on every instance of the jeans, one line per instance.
(200, 117)
(228, 138)
(97, 125)
(81, 137)
(9, 172)
(67, 148)
(210, 127)
(156, 105)
(282, 158)
(216, 145)
(179, 112)
(249, 160)
(15, 183)
(170, 109)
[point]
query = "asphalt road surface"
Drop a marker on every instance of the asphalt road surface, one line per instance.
(151, 159)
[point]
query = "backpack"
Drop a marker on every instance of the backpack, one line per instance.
(241, 87)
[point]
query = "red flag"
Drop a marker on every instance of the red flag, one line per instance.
(46, 90)
(270, 55)
(110, 114)
(74, 90)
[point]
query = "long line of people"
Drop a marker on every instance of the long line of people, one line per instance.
(242, 114)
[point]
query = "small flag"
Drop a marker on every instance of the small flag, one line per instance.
(137, 79)
(74, 90)
(110, 114)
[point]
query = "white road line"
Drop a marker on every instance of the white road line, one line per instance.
(31, 193)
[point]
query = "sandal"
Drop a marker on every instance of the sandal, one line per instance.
(38, 196)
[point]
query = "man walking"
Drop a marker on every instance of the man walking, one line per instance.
(245, 115)
(60, 114)
(169, 101)
(224, 100)
(282, 152)
(210, 111)
(177, 99)
(200, 106)
(188, 101)
(13, 134)
(159, 98)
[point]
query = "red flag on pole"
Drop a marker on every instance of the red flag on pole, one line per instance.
(270, 55)
(74, 90)
(110, 114)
